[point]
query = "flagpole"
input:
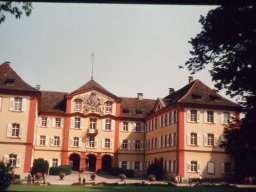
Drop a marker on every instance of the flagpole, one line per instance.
(92, 64)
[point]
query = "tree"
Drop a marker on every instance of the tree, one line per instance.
(16, 9)
(227, 45)
(40, 166)
(5, 176)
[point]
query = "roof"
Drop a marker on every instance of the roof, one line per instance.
(10, 80)
(52, 101)
(92, 84)
(135, 108)
(197, 92)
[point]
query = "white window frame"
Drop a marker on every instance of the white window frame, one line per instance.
(125, 127)
(108, 124)
(108, 105)
(42, 140)
(124, 144)
(78, 105)
(77, 122)
(107, 143)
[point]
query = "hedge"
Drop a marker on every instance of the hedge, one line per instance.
(62, 168)
(116, 171)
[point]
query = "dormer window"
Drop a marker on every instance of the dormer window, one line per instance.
(214, 97)
(109, 107)
(78, 105)
(196, 96)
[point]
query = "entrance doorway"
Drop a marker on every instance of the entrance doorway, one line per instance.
(90, 162)
(74, 161)
(106, 163)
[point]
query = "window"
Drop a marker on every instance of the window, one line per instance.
(77, 122)
(78, 105)
(166, 119)
(58, 122)
(166, 141)
(161, 141)
(227, 168)
(108, 106)
(152, 143)
(175, 117)
(56, 141)
(155, 123)
(42, 140)
(137, 165)
(54, 162)
(75, 141)
(93, 123)
(193, 139)
(210, 117)
(162, 121)
(138, 127)
(124, 164)
(174, 139)
(15, 130)
(170, 118)
(125, 126)
(226, 117)
(125, 144)
(211, 167)
(91, 142)
(137, 145)
(108, 124)
(13, 160)
(44, 122)
(107, 143)
(155, 142)
(193, 166)
(210, 140)
(193, 115)
(17, 104)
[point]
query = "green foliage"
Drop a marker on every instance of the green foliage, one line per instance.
(227, 45)
(5, 177)
(157, 170)
(16, 9)
(116, 171)
(59, 169)
(40, 166)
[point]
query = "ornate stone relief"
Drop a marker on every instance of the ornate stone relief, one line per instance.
(93, 102)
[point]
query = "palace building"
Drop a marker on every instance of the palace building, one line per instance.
(91, 128)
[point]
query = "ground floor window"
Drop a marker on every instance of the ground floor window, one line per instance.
(124, 164)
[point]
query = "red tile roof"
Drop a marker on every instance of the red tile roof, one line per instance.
(10, 80)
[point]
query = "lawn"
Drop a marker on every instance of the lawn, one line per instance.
(124, 188)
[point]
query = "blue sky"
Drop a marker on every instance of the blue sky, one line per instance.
(138, 48)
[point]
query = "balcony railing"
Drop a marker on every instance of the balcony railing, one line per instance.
(92, 132)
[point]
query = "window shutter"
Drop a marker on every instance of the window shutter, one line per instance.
(120, 164)
(223, 168)
(38, 140)
(129, 144)
(60, 141)
(121, 126)
(72, 122)
(81, 123)
(222, 118)
(50, 162)
(103, 143)
(80, 142)
(40, 121)
(18, 162)
(198, 166)
(128, 165)
(188, 116)
(167, 166)
(141, 166)
(172, 139)
(113, 124)
(141, 145)
(188, 138)
(11, 104)
(9, 130)
(71, 141)
(24, 104)
(142, 127)
(6, 159)
(48, 122)
(215, 140)
(47, 142)
(168, 141)
(215, 117)
(121, 142)
(133, 165)
(188, 166)
(198, 139)
(159, 142)
(103, 124)
(171, 166)
(61, 122)
(111, 143)
(95, 143)
(205, 140)
(1, 103)
(53, 122)
(130, 127)
(52, 138)
(198, 116)
(134, 126)
(173, 117)
(133, 145)
(205, 117)
(87, 142)
(21, 131)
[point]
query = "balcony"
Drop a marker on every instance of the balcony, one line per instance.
(92, 132)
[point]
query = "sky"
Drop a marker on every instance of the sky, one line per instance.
(137, 48)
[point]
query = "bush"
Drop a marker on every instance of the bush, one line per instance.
(5, 177)
(116, 171)
(40, 166)
(62, 168)
(157, 170)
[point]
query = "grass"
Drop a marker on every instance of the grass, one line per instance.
(67, 188)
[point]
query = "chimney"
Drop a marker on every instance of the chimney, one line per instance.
(171, 91)
(190, 79)
(140, 96)
(37, 87)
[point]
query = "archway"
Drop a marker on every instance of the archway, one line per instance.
(90, 162)
(74, 161)
(106, 163)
